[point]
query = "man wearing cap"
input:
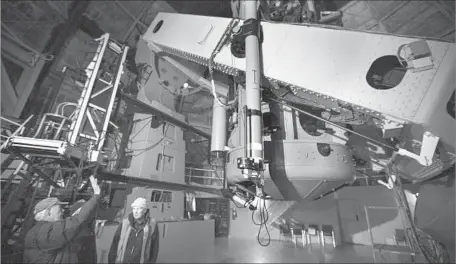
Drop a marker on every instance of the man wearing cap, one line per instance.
(136, 239)
(51, 239)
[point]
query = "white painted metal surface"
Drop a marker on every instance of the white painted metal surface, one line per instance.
(157, 153)
(331, 62)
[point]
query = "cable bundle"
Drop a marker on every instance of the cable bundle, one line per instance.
(264, 217)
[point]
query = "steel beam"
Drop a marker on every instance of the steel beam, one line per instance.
(107, 176)
(43, 175)
(142, 107)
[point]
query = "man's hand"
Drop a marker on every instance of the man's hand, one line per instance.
(95, 186)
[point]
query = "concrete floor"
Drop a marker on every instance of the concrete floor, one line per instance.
(249, 251)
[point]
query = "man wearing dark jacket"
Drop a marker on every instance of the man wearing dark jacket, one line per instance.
(51, 239)
(85, 242)
(136, 239)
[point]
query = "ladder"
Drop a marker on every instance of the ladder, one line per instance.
(419, 243)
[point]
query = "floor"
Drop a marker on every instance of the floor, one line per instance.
(249, 251)
(204, 248)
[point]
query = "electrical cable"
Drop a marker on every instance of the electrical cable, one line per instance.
(115, 155)
(217, 49)
(334, 124)
(131, 138)
(253, 213)
(210, 164)
(165, 127)
(253, 217)
(399, 57)
(150, 121)
(263, 221)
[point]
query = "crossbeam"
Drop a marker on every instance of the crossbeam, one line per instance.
(141, 107)
(107, 176)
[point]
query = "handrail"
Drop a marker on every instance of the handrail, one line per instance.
(9, 121)
(198, 169)
(189, 171)
(20, 129)
(202, 177)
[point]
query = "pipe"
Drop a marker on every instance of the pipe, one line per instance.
(152, 109)
(147, 182)
(246, 134)
(333, 124)
(219, 129)
(253, 80)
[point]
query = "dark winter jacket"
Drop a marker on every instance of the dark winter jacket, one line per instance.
(85, 244)
(85, 241)
(56, 242)
(135, 241)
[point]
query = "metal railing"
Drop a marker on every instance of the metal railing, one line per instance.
(203, 176)
(17, 132)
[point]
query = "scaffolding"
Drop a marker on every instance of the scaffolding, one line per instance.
(77, 139)
(64, 148)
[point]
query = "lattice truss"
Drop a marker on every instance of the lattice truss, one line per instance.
(66, 144)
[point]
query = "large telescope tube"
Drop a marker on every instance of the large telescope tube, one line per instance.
(253, 163)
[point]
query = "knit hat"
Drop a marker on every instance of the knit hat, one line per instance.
(139, 203)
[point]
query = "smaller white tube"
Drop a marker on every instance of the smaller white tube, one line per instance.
(219, 129)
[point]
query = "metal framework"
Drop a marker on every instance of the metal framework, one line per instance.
(64, 147)
(55, 156)
(377, 248)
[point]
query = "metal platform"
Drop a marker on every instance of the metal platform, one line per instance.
(43, 147)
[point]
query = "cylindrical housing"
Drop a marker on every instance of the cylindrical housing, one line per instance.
(298, 169)
(240, 200)
(219, 129)
(253, 92)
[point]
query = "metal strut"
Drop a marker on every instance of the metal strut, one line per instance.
(64, 147)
